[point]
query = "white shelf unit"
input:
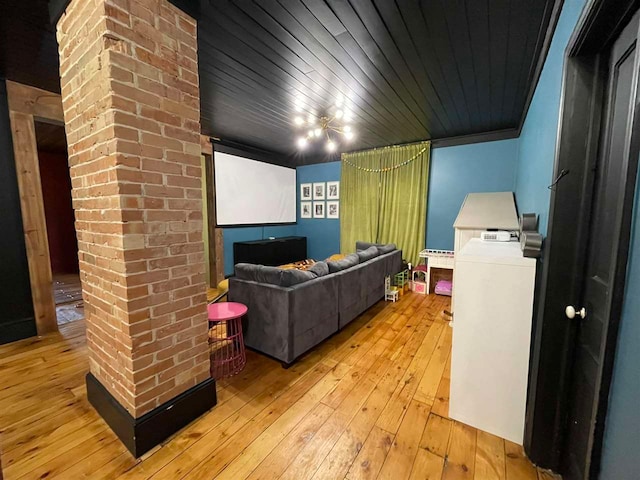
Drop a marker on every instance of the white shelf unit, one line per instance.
(491, 337)
(435, 259)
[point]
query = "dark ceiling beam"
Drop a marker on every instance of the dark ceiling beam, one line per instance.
(493, 136)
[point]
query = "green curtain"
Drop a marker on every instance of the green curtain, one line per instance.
(384, 197)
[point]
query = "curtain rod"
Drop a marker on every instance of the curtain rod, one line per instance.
(389, 146)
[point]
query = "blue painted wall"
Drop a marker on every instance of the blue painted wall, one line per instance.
(456, 171)
(537, 145)
(620, 457)
(323, 235)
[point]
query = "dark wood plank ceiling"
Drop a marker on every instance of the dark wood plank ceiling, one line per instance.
(409, 70)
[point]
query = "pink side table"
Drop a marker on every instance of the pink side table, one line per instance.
(226, 344)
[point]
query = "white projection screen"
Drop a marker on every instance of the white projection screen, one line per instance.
(249, 192)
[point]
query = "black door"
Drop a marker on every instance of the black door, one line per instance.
(614, 183)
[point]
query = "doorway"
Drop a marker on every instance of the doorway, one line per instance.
(587, 244)
(55, 182)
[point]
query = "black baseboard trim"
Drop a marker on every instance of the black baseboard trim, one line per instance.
(14, 330)
(140, 435)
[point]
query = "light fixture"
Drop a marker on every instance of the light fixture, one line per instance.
(334, 129)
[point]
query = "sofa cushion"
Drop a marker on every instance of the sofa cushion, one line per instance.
(368, 254)
(347, 262)
(258, 273)
(319, 269)
(390, 247)
(294, 277)
(360, 245)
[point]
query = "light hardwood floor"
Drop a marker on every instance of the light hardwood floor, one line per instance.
(371, 402)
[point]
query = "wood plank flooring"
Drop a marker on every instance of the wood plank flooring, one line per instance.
(67, 294)
(370, 402)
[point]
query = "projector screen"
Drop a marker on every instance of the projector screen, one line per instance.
(250, 192)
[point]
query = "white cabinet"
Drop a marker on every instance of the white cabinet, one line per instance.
(480, 212)
(491, 337)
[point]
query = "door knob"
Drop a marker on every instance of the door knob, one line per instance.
(571, 312)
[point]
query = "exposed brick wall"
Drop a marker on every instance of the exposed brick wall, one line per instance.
(130, 94)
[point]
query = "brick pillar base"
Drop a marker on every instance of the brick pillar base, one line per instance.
(130, 95)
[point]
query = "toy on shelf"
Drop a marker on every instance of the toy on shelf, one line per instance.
(444, 287)
(390, 292)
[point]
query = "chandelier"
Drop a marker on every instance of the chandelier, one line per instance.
(331, 127)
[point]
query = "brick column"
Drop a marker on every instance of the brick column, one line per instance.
(131, 102)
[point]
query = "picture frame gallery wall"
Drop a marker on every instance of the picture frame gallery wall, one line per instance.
(320, 200)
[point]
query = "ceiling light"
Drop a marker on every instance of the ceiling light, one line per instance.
(331, 129)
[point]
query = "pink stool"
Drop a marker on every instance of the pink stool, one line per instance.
(226, 344)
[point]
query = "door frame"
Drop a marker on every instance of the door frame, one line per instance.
(26, 106)
(577, 149)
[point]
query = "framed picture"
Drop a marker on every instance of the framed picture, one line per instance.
(318, 209)
(318, 191)
(305, 209)
(333, 191)
(305, 191)
(333, 209)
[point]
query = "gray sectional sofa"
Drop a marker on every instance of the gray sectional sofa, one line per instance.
(292, 311)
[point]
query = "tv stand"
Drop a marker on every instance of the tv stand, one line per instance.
(278, 251)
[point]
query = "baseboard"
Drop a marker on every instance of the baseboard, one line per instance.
(18, 329)
(140, 435)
